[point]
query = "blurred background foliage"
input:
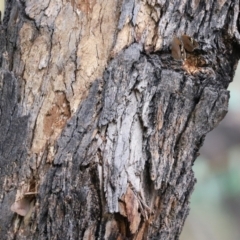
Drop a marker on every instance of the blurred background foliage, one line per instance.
(215, 202)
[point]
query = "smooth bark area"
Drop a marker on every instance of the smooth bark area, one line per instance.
(99, 125)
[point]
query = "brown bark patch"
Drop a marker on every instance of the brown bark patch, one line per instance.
(141, 233)
(85, 6)
(57, 116)
(132, 206)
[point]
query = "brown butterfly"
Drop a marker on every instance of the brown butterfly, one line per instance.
(21, 207)
(179, 46)
(189, 43)
(178, 51)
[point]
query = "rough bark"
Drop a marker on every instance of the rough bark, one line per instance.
(100, 126)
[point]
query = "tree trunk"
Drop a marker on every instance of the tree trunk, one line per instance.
(100, 125)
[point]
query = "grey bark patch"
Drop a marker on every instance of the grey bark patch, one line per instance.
(126, 13)
(13, 134)
(13, 126)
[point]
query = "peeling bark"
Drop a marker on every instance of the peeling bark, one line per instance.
(100, 126)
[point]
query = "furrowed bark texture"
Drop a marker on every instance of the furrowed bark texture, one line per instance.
(100, 126)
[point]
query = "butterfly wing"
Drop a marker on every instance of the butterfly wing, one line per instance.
(178, 51)
(189, 43)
